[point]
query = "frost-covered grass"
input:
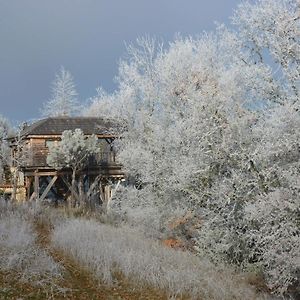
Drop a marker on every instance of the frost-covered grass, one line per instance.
(19, 253)
(107, 250)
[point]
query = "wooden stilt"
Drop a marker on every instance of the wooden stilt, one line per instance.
(107, 196)
(28, 187)
(48, 188)
(36, 186)
(70, 188)
(110, 193)
(93, 186)
(102, 193)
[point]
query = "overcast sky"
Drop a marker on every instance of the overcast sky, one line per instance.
(88, 38)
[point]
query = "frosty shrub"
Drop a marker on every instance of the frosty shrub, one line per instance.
(106, 250)
(73, 151)
(275, 237)
(135, 208)
(18, 250)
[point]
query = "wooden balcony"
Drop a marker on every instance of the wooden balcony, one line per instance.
(106, 160)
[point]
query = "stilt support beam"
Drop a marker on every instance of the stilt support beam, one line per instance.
(36, 186)
(48, 188)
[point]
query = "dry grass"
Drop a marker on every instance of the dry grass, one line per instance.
(19, 252)
(78, 281)
(25, 236)
(83, 259)
(107, 251)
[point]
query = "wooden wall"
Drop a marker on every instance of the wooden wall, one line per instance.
(38, 151)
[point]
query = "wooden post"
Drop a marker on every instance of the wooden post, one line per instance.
(48, 188)
(111, 192)
(101, 194)
(107, 193)
(28, 186)
(69, 186)
(36, 186)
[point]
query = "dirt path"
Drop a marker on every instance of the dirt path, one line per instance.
(82, 285)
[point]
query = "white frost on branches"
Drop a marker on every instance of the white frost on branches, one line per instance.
(271, 31)
(64, 96)
(212, 126)
(4, 148)
(73, 151)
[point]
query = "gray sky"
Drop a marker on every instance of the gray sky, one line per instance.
(88, 38)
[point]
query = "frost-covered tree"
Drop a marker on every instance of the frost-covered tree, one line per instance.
(212, 126)
(184, 106)
(63, 101)
(270, 30)
(4, 149)
(73, 151)
(21, 154)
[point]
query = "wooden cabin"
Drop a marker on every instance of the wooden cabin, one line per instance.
(41, 181)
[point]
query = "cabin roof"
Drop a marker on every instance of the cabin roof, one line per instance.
(56, 126)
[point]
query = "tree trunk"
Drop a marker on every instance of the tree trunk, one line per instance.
(73, 189)
(92, 192)
(81, 192)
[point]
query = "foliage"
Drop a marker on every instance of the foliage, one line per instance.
(64, 96)
(275, 236)
(270, 30)
(212, 125)
(73, 150)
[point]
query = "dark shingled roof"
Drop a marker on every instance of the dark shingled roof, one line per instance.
(56, 125)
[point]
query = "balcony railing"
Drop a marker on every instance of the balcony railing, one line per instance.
(38, 158)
